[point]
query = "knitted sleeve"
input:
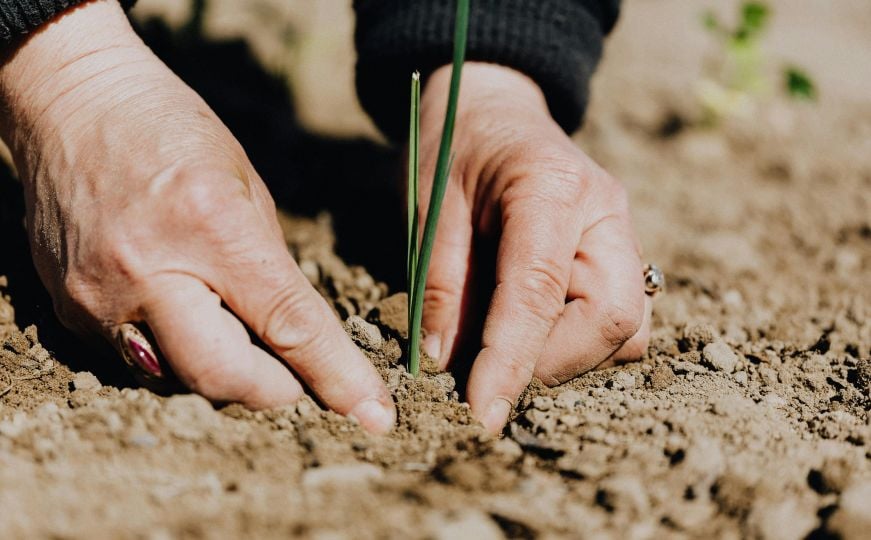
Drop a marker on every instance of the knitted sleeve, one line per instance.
(557, 43)
(18, 17)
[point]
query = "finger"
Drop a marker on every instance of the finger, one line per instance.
(606, 307)
(533, 265)
(446, 285)
(209, 349)
(266, 289)
(636, 347)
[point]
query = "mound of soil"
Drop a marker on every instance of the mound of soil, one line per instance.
(748, 417)
(709, 436)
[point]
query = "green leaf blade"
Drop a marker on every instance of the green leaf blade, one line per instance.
(413, 187)
(440, 181)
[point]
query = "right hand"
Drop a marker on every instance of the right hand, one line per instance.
(142, 207)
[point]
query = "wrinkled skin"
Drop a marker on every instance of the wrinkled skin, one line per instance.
(142, 207)
(568, 290)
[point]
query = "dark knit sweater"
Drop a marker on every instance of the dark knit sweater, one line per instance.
(18, 17)
(556, 42)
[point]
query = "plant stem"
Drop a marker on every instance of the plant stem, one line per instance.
(413, 187)
(440, 181)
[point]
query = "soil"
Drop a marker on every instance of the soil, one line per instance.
(748, 417)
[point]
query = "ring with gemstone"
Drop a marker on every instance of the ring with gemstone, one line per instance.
(654, 280)
(137, 351)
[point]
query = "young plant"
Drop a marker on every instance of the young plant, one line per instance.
(419, 254)
(798, 84)
(740, 77)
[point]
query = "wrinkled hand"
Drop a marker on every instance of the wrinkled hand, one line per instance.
(568, 293)
(143, 207)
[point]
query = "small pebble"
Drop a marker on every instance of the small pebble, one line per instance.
(781, 520)
(365, 282)
(14, 427)
(624, 494)
(623, 381)
(189, 417)
(542, 403)
(774, 400)
(570, 421)
(697, 336)
(86, 381)
(141, 439)
(595, 434)
(341, 476)
(720, 356)
(508, 448)
(569, 399)
(304, 407)
(365, 334)
(682, 366)
(661, 377)
(467, 524)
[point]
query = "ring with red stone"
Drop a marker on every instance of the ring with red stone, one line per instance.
(137, 351)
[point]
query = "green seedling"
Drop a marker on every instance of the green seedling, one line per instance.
(798, 84)
(419, 254)
(740, 76)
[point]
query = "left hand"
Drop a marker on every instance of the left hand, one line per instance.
(568, 294)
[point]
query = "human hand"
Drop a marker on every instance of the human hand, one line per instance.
(141, 206)
(568, 294)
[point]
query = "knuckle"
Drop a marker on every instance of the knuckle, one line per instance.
(619, 321)
(553, 193)
(77, 299)
(516, 368)
(438, 296)
(199, 198)
(567, 178)
(293, 324)
(113, 255)
(564, 168)
(74, 290)
(542, 290)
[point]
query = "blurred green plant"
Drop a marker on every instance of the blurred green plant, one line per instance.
(798, 84)
(740, 76)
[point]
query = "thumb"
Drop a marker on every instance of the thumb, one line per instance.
(444, 297)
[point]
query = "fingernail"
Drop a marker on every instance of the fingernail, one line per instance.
(144, 357)
(374, 415)
(432, 346)
(496, 415)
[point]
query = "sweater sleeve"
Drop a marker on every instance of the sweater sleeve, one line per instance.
(557, 43)
(18, 17)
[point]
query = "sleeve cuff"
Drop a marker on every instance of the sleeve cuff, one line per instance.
(557, 43)
(18, 17)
